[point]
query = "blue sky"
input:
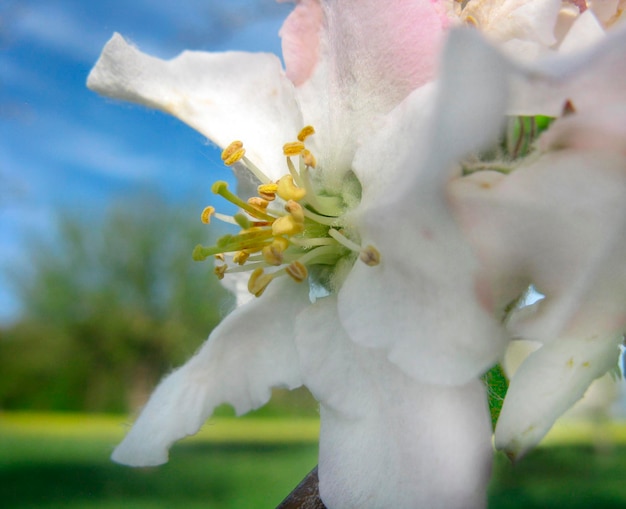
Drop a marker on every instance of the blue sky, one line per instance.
(62, 146)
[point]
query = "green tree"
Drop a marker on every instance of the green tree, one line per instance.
(109, 307)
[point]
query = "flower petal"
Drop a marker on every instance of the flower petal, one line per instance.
(386, 440)
(250, 352)
(366, 47)
(504, 20)
(301, 40)
(225, 96)
(426, 288)
(587, 79)
(548, 382)
(559, 224)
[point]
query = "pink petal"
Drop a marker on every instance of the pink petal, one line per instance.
(301, 39)
(390, 46)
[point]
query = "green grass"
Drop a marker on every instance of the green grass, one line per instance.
(61, 461)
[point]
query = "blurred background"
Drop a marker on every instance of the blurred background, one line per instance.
(100, 203)
(99, 297)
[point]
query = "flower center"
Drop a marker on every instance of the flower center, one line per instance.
(303, 237)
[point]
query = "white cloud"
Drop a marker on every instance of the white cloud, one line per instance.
(59, 28)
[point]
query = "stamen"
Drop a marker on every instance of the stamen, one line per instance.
(308, 158)
(471, 20)
(306, 132)
(263, 178)
(307, 231)
(293, 148)
(287, 225)
(287, 190)
(258, 282)
(296, 210)
(241, 257)
(225, 218)
(233, 153)
(273, 254)
(220, 270)
(296, 177)
(370, 256)
(344, 241)
(258, 203)
(297, 271)
(205, 217)
(267, 191)
(321, 255)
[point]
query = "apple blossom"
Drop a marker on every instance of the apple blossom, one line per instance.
(394, 349)
(372, 290)
(530, 29)
(557, 221)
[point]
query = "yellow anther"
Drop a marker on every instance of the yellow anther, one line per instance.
(471, 20)
(220, 257)
(306, 132)
(308, 158)
(233, 153)
(219, 271)
(297, 271)
(370, 256)
(258, 282)
(273, 253)
(296, 210)
(206, 214)
(293, 148)
(281, 242)
(267, 191)
(286, 225)
(288, 190)
(258, 203)
(240, 257)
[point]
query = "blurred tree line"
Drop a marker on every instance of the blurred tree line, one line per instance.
(109, 306)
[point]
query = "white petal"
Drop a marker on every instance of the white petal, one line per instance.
(560, 224)
(588, 78)
(550, 381)
(585, 31)
(424, 302)
(226, 96)
(386, 440)
(250, 352)
(473, 90)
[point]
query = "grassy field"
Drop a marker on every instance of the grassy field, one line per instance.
(61, 461)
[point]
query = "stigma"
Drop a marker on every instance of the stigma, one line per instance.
(291, 228)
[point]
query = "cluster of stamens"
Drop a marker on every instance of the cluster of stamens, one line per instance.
(274, 241)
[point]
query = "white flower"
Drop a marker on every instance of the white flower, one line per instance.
(394, 351)
(529, 29)
(558, 222)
